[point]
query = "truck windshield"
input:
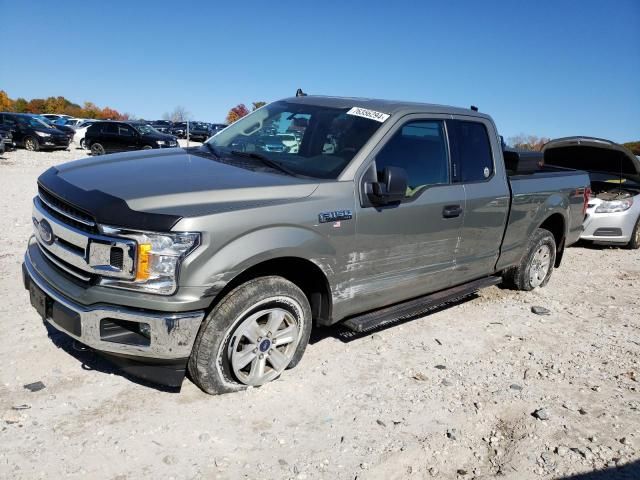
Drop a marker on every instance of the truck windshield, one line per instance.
(310, 140)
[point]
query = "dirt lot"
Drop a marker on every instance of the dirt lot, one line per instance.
(451, 395)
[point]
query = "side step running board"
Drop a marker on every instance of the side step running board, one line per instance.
(418, 306)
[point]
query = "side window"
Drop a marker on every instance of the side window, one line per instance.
(471, 151)
(125, 131)
(420, 149)
(109, 128)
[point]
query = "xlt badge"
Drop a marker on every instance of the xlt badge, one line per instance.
(335, 216)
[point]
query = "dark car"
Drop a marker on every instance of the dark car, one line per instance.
(179, 129)
(199, 131)
(67, 130)
(32, 133)
(163, 126)
(108, 137)
(6, 139)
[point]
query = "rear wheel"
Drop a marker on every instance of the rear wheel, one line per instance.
(97, 149)
(634, 243)
(32, 144)
(537, 263)
(257, 331)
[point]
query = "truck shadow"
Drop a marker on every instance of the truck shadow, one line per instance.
(631, 471)
(339, 332)
(90, 360)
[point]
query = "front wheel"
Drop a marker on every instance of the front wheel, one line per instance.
(537, 263)
(257, 331)
(32, 144)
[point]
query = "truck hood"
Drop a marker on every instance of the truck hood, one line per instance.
(172, 183)
(594, 155)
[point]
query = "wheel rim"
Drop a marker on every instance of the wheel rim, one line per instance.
(82, 143)
(147, 147)
(540, 265)
(29, 144)
(263, 345)
(97, 149)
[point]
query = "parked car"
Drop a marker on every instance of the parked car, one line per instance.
(179, 129)
(108, 136)
(55, 116)
(69, 122)
(6, 138)
(613, 211)
(199, 131)
(32, 133)
(223, 261)
(163, 126)
(81, 131)
(68, 131)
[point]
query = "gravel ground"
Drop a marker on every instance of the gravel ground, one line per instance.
(484, 388)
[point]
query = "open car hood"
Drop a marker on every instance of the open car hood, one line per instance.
(595, 155)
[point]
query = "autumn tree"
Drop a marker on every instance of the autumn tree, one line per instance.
(20, 105)
(236, 113)
(36, 105)
(6, 104)
(528, 142)
(633, 146)
(257, 105)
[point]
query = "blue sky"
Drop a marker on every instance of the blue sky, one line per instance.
(550, 68)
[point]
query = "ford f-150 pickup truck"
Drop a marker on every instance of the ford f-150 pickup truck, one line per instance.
(221, 258)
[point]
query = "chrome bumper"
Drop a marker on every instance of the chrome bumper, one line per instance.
(171, 334)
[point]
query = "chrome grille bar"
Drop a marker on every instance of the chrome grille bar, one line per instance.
(73, 217)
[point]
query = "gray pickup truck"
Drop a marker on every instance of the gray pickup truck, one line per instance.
(310, 211)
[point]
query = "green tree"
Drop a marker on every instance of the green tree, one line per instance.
(20, 105)
(257, 105)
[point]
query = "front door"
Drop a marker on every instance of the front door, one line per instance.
(408, 249)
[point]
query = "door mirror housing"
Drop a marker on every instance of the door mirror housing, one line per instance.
(392, 188)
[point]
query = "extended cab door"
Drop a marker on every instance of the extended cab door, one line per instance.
(407, 249)
(479, 168)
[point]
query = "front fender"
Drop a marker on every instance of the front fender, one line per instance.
(257, 246)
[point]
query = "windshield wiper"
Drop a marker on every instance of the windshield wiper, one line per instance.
(267, 161)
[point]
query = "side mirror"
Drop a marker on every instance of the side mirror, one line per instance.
(392, 188)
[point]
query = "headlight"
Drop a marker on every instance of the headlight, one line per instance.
(43, 134)
(161, 142)
(615, 206)
(158, 260)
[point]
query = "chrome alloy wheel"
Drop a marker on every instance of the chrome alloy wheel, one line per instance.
(540, 264)
(263, 345)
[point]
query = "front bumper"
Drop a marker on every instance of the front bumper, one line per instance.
(614, 227)
(170, 334)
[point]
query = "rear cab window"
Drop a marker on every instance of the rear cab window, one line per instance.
(470, 151)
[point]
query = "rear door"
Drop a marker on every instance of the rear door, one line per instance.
(479, 169)
(127, 138)
(407, 249)
(108, 136)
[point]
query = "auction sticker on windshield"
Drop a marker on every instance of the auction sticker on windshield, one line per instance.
(366, 113)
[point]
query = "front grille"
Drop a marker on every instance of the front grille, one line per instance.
(73, 273)
(69, 239)
(67, 213)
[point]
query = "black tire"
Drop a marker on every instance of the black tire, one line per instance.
(97, 149)
(32, 144)
(210, 362)
(634, 243)
(520, 276)
(82, 143)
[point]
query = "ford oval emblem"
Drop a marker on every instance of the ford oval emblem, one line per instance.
(45, 232)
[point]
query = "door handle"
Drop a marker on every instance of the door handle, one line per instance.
(451, 211)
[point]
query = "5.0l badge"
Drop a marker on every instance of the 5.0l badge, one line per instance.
(335, 216)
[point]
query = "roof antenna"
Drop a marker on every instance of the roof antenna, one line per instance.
(474, 108)
(300, 93)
